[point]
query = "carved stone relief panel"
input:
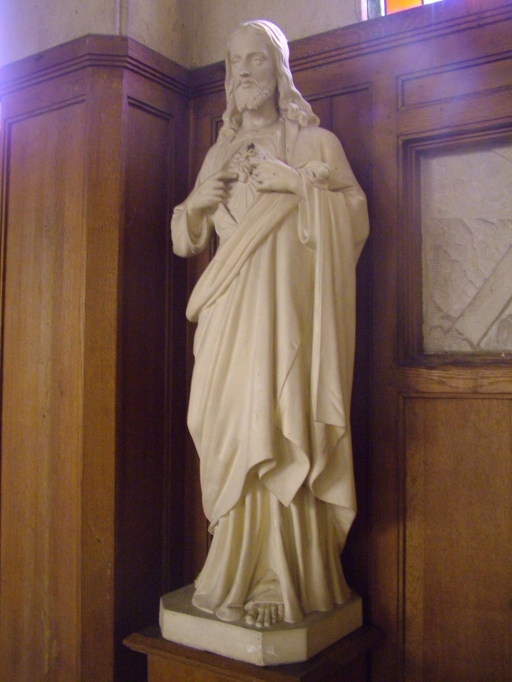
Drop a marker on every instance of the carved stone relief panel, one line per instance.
(466, 220)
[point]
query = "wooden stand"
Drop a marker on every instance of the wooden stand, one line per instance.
(344, 661)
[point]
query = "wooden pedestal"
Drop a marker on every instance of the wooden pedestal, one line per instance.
(344, 661)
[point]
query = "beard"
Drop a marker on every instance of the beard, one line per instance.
(251, 99)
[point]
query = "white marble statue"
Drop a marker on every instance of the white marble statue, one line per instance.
(274, 346)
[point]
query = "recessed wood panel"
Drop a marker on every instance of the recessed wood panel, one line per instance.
(351, 121)
(143, 364)
(458, 81)
(42, 398)
(322, 108)
(458, 540)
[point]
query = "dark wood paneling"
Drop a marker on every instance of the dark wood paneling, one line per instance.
(93, 132)
(456, 82)
(42, 396)
(100, 417)
(458, 549)
(322, 108)
(143, 359)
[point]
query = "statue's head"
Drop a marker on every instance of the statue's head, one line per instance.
(288, 100)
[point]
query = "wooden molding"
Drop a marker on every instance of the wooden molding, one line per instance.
(456, 381)
(95, 50)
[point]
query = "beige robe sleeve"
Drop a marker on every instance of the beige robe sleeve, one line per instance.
(188, 240)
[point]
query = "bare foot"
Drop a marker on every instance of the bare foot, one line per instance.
(264, 615)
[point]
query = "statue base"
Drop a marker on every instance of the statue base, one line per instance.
(183, 623)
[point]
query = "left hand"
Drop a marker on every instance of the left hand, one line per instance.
(272, 175)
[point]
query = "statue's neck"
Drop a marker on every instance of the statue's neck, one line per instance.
(266, 115)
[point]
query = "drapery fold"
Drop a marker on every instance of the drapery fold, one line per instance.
(266, 552)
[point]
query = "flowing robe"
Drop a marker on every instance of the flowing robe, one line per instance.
(270, 395)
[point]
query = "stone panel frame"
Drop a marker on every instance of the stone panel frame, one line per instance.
(412, 151)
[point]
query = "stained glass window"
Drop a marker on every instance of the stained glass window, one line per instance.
(398, 5)
(378, 8)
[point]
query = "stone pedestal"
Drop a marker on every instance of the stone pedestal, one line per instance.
(183, 623)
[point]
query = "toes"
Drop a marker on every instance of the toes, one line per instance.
(260, 620)
(251, 616)
(265, 615)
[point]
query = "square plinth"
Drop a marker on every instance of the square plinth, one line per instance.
(183, 623)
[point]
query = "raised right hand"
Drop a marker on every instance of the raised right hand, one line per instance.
(206, 197)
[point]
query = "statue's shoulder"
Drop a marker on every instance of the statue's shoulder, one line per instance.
(318, 136)
(315, 143)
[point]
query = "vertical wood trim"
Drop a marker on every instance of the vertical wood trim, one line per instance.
(104, 216)
(412, 589)
(384, 411)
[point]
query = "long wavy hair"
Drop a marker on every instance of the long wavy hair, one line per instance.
(290, 103)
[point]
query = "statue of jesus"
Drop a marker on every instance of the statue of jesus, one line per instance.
(274, 346)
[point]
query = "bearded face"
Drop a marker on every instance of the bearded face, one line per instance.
(253, 69)
(251, 97)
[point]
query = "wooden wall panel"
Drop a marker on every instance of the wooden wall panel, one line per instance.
(92, 133)
(42, 396)
(145, 257)
(322, 108)
(149, 548)
(104, 187)
(458, 539)
(444, 84)
(351, 121)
